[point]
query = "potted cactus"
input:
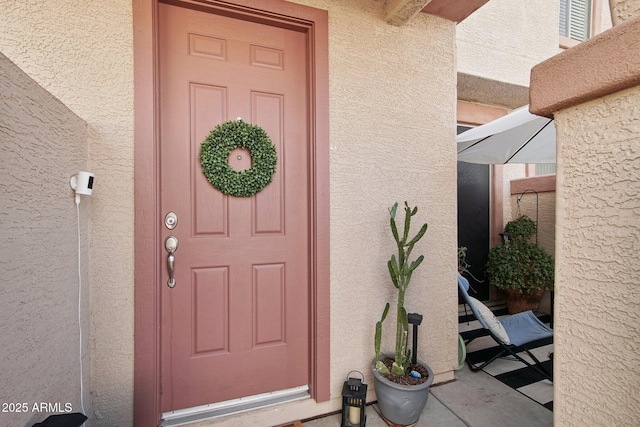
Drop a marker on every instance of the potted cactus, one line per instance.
(402, 387)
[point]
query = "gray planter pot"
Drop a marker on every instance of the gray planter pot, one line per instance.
(398, 403)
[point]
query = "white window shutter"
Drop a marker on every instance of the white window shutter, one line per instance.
(575, 19)
(580, 19)
(564, 24)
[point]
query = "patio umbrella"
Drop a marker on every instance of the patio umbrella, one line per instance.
(518, 137)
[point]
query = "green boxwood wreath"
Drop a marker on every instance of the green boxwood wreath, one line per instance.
(214, 154)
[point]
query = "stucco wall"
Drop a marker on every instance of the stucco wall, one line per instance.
(82, 53)
(500, 42)
(43, 145)
(503, 39)
(391, 134)
(598, 234)
(621, 10)
(497, 46)
(392, 101)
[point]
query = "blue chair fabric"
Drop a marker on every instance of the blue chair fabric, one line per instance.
(522, 329)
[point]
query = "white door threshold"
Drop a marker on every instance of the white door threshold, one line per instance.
(235, 406)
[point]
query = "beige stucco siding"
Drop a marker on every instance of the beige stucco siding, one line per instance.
(500, 43)
(82, 52)
(497, 46)
(504, 39)
(392, 100)
(506, 52)
(597, 289)
(43, 145)
(391, 140)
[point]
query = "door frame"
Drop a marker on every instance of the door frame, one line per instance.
(471, 114)
(148, 218)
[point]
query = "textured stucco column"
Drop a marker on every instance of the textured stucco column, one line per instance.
(621, 10)
(592, 91)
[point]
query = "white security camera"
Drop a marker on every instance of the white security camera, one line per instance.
(82, 183)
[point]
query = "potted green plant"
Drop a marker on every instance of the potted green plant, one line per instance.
(402, 388)
(520, 267)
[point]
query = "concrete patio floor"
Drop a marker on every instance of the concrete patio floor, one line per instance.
(474, 399)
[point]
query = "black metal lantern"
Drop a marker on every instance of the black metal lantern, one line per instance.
(354, 399)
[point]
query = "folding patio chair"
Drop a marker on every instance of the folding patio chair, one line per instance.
(510, 332)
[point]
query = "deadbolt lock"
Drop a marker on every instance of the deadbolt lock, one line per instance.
(171, 220)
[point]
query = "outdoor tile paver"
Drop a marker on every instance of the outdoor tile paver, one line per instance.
(434, 415)
(475, 399)
(480, 400)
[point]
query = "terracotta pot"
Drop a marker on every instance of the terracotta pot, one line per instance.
(518, 302)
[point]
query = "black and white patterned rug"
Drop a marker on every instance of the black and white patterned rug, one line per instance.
(510, 371)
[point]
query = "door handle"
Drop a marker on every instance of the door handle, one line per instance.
(171, 245)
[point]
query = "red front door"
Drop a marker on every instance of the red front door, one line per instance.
(237, 321)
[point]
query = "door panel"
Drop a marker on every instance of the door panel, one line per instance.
(210, 311)
(208, 105)
(237, 321)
